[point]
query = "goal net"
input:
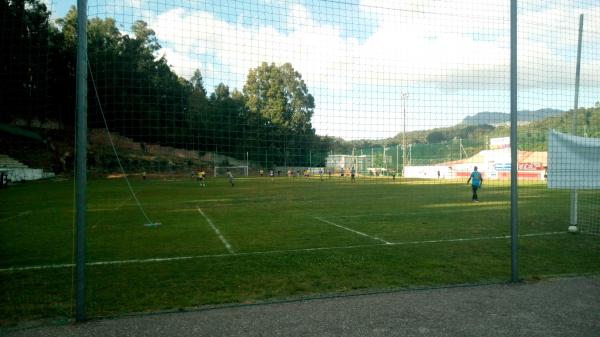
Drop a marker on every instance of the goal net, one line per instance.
(237, 171)
(574, 163)
(588, 211)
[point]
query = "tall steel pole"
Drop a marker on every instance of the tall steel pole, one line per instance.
(384, 161)
(81, 153)
(397, 158)
(573, 220)
(514, 205)
(404, 97)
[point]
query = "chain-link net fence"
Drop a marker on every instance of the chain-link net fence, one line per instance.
(252, 150)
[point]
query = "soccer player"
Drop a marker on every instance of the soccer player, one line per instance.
(3, 179)
(476, 180)
(352, 174)
(230, 177)
(202, 178)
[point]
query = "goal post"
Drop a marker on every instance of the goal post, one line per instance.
(239, 171)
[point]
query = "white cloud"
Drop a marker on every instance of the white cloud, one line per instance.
(422, 46)
(181, 63)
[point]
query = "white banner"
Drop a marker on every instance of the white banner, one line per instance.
(573, 162)
(499, 143)
(427, 172)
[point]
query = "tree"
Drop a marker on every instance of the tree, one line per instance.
(220, 94)
(279, 94)
(24, 36)
(198, 83)
(436, 137)
(145, 36)
(142, 98)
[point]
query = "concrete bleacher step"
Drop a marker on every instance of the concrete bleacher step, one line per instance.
(8, 162)
(12, 164)
(17, 171)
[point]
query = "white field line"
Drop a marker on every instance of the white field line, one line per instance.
(227, 245)
(122, 204)
(283, 251)
(20, 214)
(352, 230)
(203, 200)
(181, 210)
(399, 213)
(475, 239)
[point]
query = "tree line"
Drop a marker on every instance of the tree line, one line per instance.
(141, 97)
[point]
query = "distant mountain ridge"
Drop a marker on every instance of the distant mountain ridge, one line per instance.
(501, 117)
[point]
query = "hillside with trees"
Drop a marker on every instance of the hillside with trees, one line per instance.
(495, 118)
(450, 143)
(533, 136)
(142, 98)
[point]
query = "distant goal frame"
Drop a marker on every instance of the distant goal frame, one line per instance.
(243, 168)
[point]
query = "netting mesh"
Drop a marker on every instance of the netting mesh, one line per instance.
(589, 212)
(284, 87)
(358, 124)
(236, 171)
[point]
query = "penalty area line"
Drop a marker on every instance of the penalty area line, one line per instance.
(352, 230)
(498, 237)
(227, 245)
(266, 252)
(20, 214)
(180, 258)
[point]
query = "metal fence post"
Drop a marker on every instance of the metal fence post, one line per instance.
(81, 144)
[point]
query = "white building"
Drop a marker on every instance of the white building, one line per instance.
(362, 163)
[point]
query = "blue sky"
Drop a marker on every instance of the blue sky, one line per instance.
(357, 57)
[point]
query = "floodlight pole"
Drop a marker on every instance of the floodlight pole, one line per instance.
(573, 220)
(384, 161)
(397, 158)
(404, 97)
(514, 204)
(81, 153)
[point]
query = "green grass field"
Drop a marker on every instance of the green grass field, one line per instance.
(270, 240)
